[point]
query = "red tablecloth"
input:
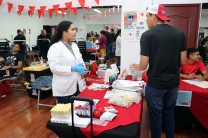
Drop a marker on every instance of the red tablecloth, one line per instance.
(92, 50)
(124, 117)
(199, 102)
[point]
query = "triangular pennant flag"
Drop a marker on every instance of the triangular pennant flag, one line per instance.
(43, 8)
(19, 13)
(68, 6)
(97, 1)
(75, 11)
(32, 12)
(10, 5)
(20, 8)
(56, 8)
(32, 8)
(50, 12)
(63, 11)
(29, 12)
(1, 2)
(82, 3)
(88, 9)
(39, 13)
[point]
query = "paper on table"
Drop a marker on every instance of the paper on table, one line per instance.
(201, 84)
(79, 122)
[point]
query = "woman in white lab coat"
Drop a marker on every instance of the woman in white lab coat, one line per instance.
(66, 63)
(118, 47)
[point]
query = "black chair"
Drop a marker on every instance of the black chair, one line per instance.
(43, 45)
(4, 47)
(81, 43)
(202, 52)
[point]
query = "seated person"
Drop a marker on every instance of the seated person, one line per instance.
(13, 60)
(193, 65)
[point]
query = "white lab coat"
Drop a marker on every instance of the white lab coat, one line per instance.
(118, 46)
(61, 60)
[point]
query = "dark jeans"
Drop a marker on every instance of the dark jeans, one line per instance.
(161, 104)
(66, 99)
(110, 49)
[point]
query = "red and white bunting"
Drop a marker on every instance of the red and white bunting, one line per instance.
(75, 11)
(39, 13)
(50, 12)
(29, 13)
(82, 3)
(97, 1)
(56, 8)
(88, 9)
(43, 8)
(68, 6)
(31, 9)
(62, 11)
(20, 9)
(10, 5)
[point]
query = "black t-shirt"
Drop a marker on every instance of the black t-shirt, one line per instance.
(12, 60)
(163, 45)
(19, 37)
(45, 42)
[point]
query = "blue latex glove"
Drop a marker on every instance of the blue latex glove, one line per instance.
(79, 68)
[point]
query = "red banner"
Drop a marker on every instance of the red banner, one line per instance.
(1, 2)
(88, 9)
(39, 13)
(20, 9)
(50, 12)
(43, 8)
(97, 1)
(75, 11)
(82, 3)
(68, 6)
(10, 5)
(63, 11)
(56, 8)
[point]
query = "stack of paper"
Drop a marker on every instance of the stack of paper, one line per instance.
(128, 85)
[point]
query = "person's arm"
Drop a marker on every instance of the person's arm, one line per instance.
(189, 76)
(183, 57)
(203, 70)
(205, 75)
(100, 41)
(183, 49)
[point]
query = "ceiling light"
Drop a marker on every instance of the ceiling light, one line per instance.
(96, 10)
(61, 13)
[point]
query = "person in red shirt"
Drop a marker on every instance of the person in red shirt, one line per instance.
(193, 65)
(102, 43)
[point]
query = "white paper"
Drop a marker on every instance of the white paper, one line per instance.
(82, 103)
(201, 84)
(79, 122)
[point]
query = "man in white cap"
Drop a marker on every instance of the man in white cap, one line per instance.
(163, 47)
